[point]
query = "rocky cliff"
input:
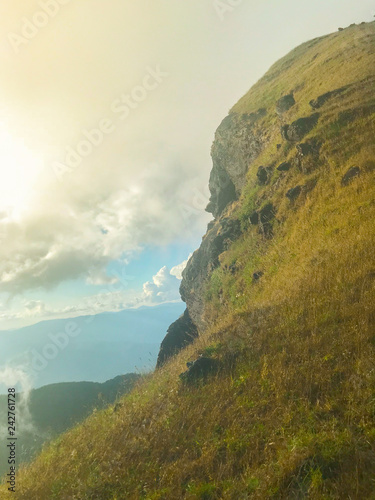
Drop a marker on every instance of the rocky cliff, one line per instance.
(268, 139)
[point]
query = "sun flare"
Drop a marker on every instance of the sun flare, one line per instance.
(19, 170)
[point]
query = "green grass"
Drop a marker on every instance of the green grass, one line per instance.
(292, 412)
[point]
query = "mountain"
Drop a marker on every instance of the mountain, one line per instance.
(95, 348)
(265, 386)
(52, 409)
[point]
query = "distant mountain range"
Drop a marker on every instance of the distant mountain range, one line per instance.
(53, 409)
(95, 348)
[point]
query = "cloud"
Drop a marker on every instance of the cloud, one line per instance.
(136, 187)
(164, 287)
(177, 270)
(18, 378)
(67, 237)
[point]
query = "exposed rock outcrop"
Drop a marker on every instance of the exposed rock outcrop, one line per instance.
(311, 147)
(285, 103)
(350, 175)
(202, 263)
(350, 115)
(181, 333)
(322, 99)
(200, 369)
(284, 167)
(236, 145)
(264, 218)
(307, 158)
(258, 275)
(264, 175)
(299, 128)
(293, 193)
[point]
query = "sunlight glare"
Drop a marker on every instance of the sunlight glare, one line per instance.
(19, 170)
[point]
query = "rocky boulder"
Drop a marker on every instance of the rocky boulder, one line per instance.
(284, 167)
(264, 218)
(307, 158)
(264, 175)
(180, 334)
(322, 99)
(299, 128)
(293, 193)
(200, 369)
(257, 276)
(309, 148)
(254, 218)
(285, 103)
(350, 175)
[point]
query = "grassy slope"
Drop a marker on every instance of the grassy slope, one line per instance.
(57, 407)
(292, 415)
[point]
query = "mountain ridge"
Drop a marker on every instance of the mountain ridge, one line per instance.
(52, 409)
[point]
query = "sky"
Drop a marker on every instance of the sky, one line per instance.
(107, 115)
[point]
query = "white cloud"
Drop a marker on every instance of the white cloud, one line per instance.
(164, 287)
(177, 270)
(76, 233)
(17, 377)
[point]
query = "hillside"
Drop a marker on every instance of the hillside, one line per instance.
(54, 408)
(280, 304)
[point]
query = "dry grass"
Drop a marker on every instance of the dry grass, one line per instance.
(292, 413)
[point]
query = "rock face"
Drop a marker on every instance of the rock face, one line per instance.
(238, 142)
(236, 145)
(181, 333)
(202, 263)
